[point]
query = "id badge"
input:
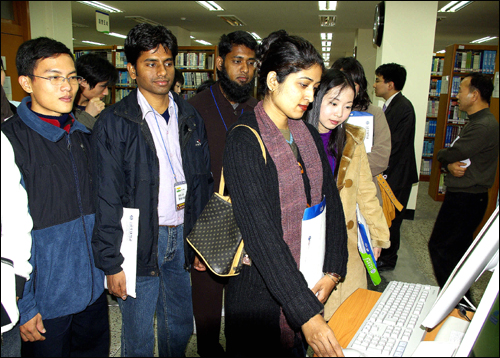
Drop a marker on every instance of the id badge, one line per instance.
(180, 195)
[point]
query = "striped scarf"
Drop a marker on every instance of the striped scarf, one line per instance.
(291, 185)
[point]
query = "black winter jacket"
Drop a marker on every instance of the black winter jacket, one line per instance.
(126, 174)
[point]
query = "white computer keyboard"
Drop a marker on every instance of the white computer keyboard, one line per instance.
(392, 328)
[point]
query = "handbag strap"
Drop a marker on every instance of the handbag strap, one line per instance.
(222, 184)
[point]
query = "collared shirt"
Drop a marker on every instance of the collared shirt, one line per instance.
(166, 139)
(388, 102)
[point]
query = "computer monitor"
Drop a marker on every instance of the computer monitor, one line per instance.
(482, 255)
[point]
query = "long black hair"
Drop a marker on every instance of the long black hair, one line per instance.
(355, 70)
(336, 142)
(285, 54)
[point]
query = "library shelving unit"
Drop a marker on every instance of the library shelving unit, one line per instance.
(459, 61)
(431, 116)
(125, 84)
(108, 52)
(197, 64)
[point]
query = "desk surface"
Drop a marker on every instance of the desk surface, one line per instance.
(352, 313)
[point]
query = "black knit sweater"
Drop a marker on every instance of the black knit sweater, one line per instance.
(274, 276)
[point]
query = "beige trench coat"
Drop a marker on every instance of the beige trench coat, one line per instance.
(356, 186)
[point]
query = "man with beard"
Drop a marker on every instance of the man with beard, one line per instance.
(220, 106)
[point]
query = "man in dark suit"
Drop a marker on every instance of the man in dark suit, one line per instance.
(402, 170)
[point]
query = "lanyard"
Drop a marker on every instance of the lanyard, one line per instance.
(164, 146)
(219, 109)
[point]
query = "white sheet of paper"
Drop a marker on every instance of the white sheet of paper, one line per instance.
(312, 247)
(363, 120)
(130, 226)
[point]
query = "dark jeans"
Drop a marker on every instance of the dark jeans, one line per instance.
(84, 334)
(11, 342)
(390, 255)
(459, 217)
(207, 306)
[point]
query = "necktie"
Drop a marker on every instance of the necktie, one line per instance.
(384, 107)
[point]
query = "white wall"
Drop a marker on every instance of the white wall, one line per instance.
(367, 55)
(52, 19)
(408, 40)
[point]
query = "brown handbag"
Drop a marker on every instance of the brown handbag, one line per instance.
(216, 237)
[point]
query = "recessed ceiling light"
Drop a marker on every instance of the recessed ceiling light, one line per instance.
(210, 5)
(484, 39)
(454, 6)
(101, 6)
(94, 43)
(232, 20)
(117, 35)
(326, 49)
(203, 42)
(326, 43)
(327, 5)
(327, 21)
(142, 20)
(326, 36)
(255, 36)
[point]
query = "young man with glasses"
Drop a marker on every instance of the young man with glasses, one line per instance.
(63, 311)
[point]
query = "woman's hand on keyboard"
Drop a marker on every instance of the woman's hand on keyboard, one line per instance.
(321, 338)
(323, 288)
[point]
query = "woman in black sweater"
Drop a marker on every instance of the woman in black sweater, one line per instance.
(269, 304)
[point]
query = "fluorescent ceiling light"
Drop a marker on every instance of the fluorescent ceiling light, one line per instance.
(326, 56)
(101, 6)
(326, 36)
(327, 64)
(203, 42)
(326, 43)
(94, 43)
(117, 35)
(442, 51)
(454, 6)
(142, 20)
(255, 36)
(232, 20)
(327, 5)
(210, 5)
(192, 37)
(326, 49)
(484, 39)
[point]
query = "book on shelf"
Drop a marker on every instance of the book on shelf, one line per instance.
(432, 107)
(120, 93)
(426, 166)
(437, 66)
(195, 79)
(475, 61)
(120, 59)
(435, 87)
(194, 61)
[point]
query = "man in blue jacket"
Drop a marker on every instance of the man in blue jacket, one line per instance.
(64, 308)
(151, 153)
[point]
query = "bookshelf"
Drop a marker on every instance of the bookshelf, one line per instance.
(108, 52)
(459, 61)
(431, 116)
(125, 84)
(197, 64)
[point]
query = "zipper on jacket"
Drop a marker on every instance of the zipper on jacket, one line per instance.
(80, 207)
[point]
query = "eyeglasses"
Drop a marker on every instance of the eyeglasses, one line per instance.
(59, 80)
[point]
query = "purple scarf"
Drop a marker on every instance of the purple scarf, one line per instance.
(291, 186)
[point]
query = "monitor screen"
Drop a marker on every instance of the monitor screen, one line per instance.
(481, 255)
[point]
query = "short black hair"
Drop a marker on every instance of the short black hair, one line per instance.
(146, 37)
(94, 69)
(481, 83)
(32, 51)
(354, 69)
(392, 72)
(285, 54)
(239, 37)
(179, 77)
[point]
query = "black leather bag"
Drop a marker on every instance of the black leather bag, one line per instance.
(216, 237)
